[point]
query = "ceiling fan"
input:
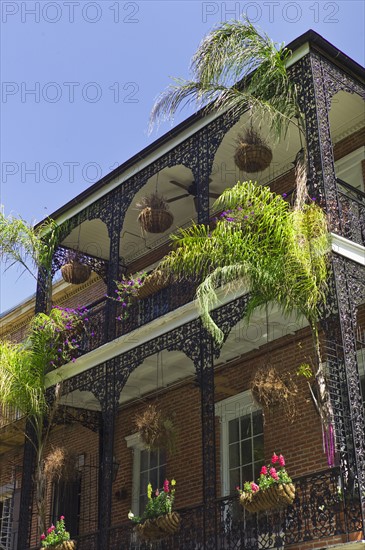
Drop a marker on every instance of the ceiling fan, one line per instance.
(191, 191)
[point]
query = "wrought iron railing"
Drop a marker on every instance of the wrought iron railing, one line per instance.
(189, 537)
(352, 212)
(8, 415)
(143, 311)
(319, 511)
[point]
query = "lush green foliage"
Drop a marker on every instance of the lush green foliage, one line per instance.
(260, 243)
(237, 67)
(158, 503)
(126, 291)
(52, 340)
(29, 246)
(56, 534)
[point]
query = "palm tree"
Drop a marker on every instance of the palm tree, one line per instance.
(236, 66)
(23, 370)
(274, 252)
(30, 247)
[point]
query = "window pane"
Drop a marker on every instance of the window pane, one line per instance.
(234, 480)
(258, 448)
(234, 455)
(144, 482)
(154, 478)
(153, 459)
(247, 474)
(144, 460)
(245, 426)
(246, 451)
(257, 423)
(233, 426)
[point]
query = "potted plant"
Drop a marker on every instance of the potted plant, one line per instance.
(154, 216)
(156, 430)
(274, 488)
(57, 537)
(272, 390)
(74, 271)
(158, 520)
(252, 153)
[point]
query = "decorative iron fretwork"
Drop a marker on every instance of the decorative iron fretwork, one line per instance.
(26, 497)
(319, 511)
(62, 256)
(318, 80)
(70, 415)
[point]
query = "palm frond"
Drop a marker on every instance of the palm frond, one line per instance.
(22, 243)
(237, 67)
(278, 253)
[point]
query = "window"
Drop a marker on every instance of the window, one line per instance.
(242, 440)
(9, 516)
(66, 501)
(148, 467)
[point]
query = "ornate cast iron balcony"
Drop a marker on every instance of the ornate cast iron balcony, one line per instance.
(352, 212)
(319, 512)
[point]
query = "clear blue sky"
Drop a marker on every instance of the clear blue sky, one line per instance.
(79, 79)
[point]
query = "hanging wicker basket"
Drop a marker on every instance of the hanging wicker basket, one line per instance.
(65, 545)
(155, 221)
(276, 496)
(159, 528)
(252, 154)
(155, 216)
(156, 430)
(75, 272)
(152, 283)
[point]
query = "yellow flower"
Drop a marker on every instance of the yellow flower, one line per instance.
(149, 490)
(130, 515)
(173, 482)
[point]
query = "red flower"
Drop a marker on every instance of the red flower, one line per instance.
(166, 486)
(254, 487)
(43, 536)
(274, 458)
(263, 471)
(273, 473)
(281, 460)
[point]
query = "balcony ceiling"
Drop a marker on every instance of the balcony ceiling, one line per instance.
(346, 116)
(169, 368)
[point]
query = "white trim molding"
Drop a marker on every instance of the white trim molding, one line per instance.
(348, 249)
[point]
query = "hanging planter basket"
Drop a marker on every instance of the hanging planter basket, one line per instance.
(159, 528)
(155, 429)
(152, 283)
(65, 545)
(154, 216)
(276, 496)
(252, 154)
(272, 390)
(61, 463)
(75, 272)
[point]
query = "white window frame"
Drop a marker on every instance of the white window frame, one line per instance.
(227, 410)
(135, 443)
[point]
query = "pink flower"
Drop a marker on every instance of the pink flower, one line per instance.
(273, 473)
(238, 488)
(274, 458)
(50, 529)
(263, 471)
(166, 486)
(254, 487)
(62, 518)
(43, 536)
(281, 460)
(157, 492)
